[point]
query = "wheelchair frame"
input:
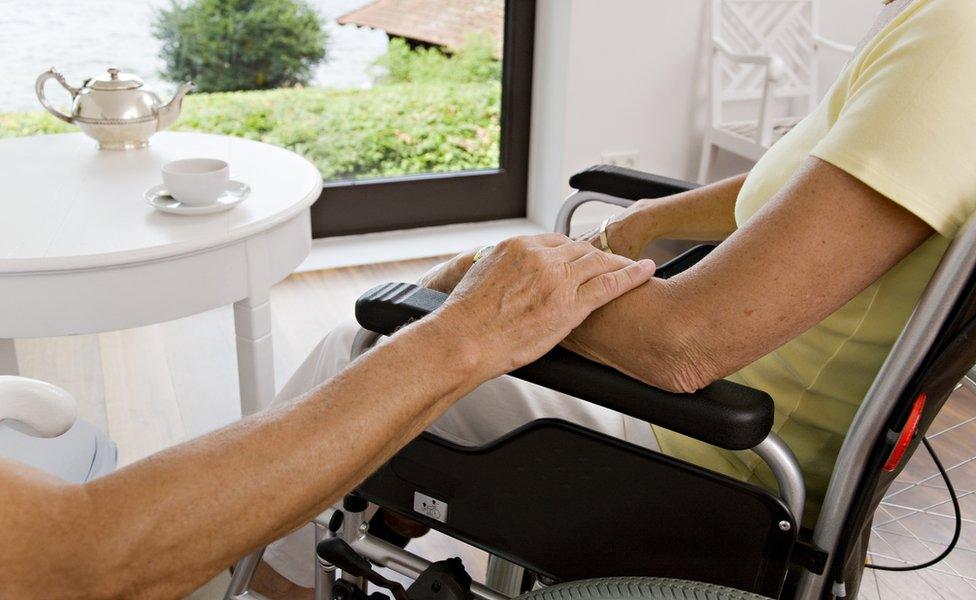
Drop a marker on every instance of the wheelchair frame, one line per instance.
(846, 505)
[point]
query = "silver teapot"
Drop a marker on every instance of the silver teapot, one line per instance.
(117, 109)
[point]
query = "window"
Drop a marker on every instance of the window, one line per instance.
(494, 191)
(416, 111)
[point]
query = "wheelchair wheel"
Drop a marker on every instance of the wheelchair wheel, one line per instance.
(638, 588)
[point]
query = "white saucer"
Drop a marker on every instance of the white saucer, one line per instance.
(159, 198)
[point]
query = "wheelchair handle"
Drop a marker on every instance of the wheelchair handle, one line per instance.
(723, 414)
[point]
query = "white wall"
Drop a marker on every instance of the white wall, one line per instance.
(624, 75)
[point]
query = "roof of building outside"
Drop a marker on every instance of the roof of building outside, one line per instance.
(440, 22)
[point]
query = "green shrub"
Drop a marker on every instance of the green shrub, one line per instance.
(31, 123)
(390, 130)
(473, 62)
(226, 45)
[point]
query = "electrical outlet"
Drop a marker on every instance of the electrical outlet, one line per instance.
(620, 159)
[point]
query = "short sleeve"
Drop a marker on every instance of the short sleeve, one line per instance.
(907, 127)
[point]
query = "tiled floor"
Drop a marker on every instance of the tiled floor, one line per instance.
(916, 520)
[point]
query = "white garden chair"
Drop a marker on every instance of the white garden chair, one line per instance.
(764, 55)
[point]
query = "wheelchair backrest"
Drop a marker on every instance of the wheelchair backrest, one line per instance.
(933, 353)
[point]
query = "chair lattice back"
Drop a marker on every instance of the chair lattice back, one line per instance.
(783, 28)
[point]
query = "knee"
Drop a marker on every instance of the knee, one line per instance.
(327, 359)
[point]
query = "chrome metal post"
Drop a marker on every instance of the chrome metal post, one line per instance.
(324, 570)
(782, 462)
(504, 576)
(565, 217)
(353, 529)
(241, 579)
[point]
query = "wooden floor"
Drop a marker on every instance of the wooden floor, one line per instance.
(155, 386)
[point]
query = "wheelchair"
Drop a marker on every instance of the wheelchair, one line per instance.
(578, 515)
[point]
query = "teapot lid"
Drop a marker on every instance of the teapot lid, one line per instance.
(115, 80)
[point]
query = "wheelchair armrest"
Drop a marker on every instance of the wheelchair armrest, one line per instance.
(723, 414)
(627, 183)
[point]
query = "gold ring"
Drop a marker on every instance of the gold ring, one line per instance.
(481, 253)
(604, 242)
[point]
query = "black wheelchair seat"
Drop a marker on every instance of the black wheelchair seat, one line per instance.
(549, 489)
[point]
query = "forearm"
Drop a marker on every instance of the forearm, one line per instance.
(179, 517)
(705, 213)
(770, 281)
(648, 334)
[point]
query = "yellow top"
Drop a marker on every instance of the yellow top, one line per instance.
(901, 118)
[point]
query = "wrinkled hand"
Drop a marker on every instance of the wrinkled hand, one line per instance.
(528, 293)
(445, 276)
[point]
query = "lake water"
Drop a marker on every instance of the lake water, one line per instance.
(84, 37)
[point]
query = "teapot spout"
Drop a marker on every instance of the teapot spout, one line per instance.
(169, 112)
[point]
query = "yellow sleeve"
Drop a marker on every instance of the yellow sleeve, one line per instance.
(907, 127)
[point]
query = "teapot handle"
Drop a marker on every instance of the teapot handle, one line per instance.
(39, 88)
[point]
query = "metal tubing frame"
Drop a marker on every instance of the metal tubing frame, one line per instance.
(324, 571)
(241, 579)
(917, 337)
(565, 216)
(503, 576)
(353, 529)
(406, 563)
(789, 477)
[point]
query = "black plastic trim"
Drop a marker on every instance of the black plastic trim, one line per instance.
(627, 183)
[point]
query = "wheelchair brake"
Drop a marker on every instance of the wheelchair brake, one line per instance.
(442, 580)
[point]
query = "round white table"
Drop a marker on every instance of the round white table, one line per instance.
(82, 252)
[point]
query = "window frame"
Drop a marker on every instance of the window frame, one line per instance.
(371, 205)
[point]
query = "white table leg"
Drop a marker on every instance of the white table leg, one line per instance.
(8, 357)
(255, 354)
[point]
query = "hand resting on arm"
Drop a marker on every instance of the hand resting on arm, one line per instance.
(820, 241)
(788, 268)
(164, 525)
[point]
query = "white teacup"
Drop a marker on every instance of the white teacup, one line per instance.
(196, 181)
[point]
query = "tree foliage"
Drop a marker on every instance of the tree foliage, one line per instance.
(226, 45)
(473, 62)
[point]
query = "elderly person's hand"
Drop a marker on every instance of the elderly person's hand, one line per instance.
(444, 276)
(528, 293)
(628, 233)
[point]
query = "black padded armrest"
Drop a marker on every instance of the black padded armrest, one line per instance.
(627, 183)
(723, 414)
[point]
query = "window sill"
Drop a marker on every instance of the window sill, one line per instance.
(424, 242)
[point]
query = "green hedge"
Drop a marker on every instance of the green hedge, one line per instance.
(389, 130)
